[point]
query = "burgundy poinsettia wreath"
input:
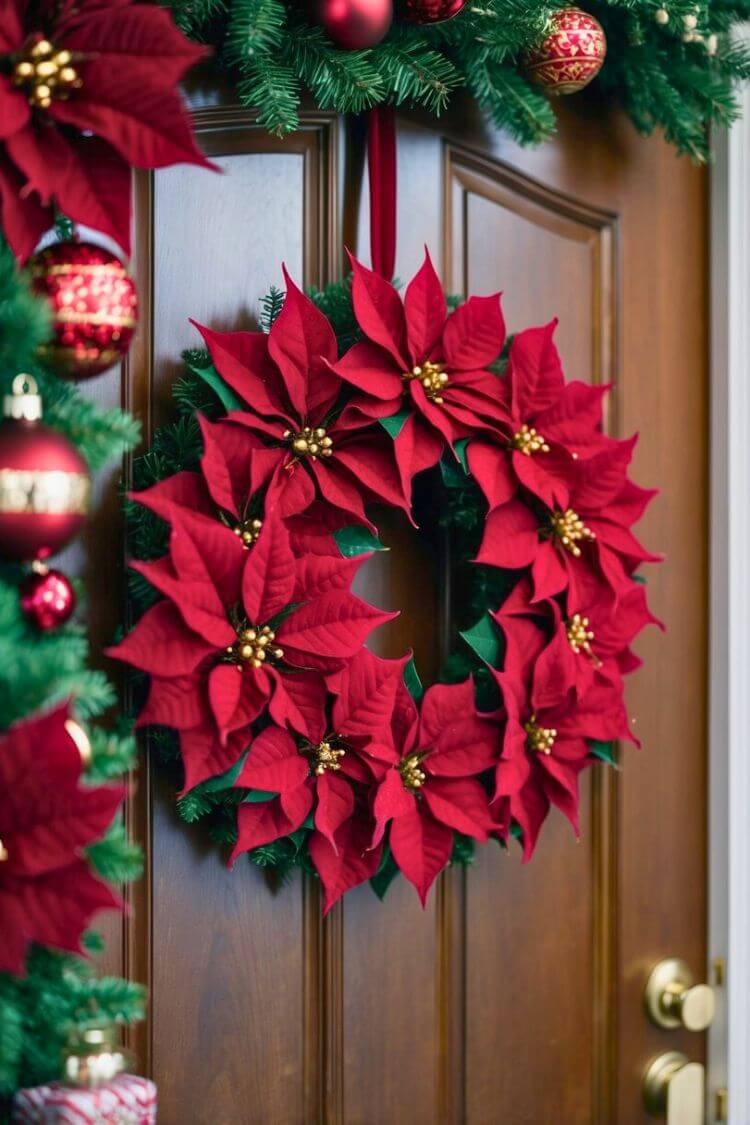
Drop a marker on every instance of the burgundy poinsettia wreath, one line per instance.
(88, 90)
(256, 651)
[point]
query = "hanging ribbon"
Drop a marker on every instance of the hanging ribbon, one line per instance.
(381, 158)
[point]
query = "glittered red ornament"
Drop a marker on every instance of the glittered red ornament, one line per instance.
(94, 306)
(432, 11)
(571, 55)
(355, 24)
(47, 598)
(44, 481)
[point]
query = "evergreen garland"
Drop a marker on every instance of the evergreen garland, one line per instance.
(662, 78)
(37, 670)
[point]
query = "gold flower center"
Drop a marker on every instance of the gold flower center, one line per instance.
(568, 528)
(310, 442)
(325, 756)
(3, 852)
(248, 531)
(539, 739)
(254, 646)
(578, 633)
(412, 776)
(45, 73)
(529, 441)
(432, 377)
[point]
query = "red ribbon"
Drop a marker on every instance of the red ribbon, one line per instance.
(381, 157)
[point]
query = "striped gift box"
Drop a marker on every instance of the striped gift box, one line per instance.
(126, 1100)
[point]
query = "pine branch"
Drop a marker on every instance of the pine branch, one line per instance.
(255, 27)
(115, 858)
(343, 80)
(512, 102)
(415, 72)
(273, 89)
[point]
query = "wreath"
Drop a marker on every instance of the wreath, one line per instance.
(298, 743)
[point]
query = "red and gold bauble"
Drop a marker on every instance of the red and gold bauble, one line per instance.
(355, 24)
(571, 54)
(432, 11)
(94, 306)
(47, 598)
(44, 481)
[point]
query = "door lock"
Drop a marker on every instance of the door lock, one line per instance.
(673, 999)
(673, 1088)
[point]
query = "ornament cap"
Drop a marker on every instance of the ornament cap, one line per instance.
(24, 402)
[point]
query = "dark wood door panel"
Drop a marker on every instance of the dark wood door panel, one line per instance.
(515, 996)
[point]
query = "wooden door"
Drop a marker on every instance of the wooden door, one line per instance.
(516, 996)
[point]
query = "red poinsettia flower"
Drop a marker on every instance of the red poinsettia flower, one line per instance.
(48, 893)
(546, 745)
(430, 790)
(316, 445)
(232, 486)
(243, 632)
(417, 356)
(324, 779)
(87, 90)
(573, 649)
(592, 534)
(550, 424)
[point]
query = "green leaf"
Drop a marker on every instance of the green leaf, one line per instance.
(460, 448)
(605, 751)
(485, 640)
(225, 780)
(258, 797)
(454, 476)
(384, 876)
(412, 680)
(641, 578)
(395, 424)
(208, 373)
(353, 540)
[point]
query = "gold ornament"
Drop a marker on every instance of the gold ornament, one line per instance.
(310, 442)
(254, 646)
(248, 531)
(45, 73)
(432, 377)
(578, 633)
(690, 22)
(568, 528)
(661, 15)
(4, 855)
(326, 757)
(528, 441)
(92, 1057)
(411, 775)
(539, 739)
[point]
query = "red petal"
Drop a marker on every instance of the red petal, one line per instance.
(490, 465)
(262, 822)
(370, 369)
(335, 805)
(269, 575)
(177, 703)
(207, 551)
(425, 310)
(242, 360)
(372, 464)
(379, 312)
(461, 804)
(474, 334)
(421, 847)
(300, 339)
(511, 537)
(549, 572)
(162, 641)
(224, 693)
(535, 371)
(366, 693)
(392, 800)
(317, 574)
(458, 741)
(274, 764)
(204, 755)
(183, 490)
(24, 218)
(298, 701)
(347, 864)
(334, 625)
(226, 463)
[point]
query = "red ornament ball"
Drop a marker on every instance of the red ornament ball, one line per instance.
(94, 306)
(44, 481)
(571, 54)
(355, 24)
(432, 11)
(47, 598)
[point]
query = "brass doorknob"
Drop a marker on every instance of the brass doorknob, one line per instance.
(673, 1088)
(673, 999)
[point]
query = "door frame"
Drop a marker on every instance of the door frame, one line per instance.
(729, 645)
